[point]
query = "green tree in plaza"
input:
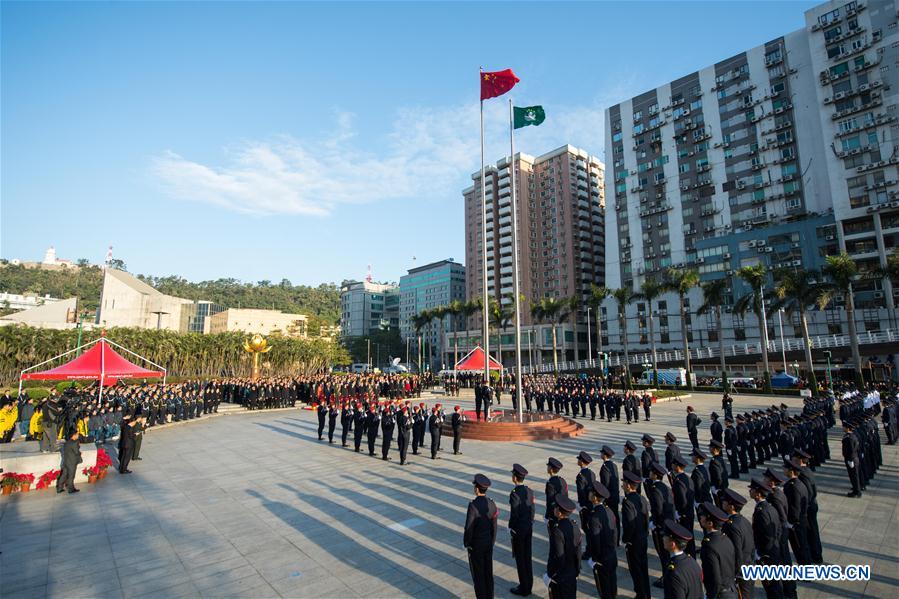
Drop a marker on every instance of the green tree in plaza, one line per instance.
(439, 314)
(681, 281)
(553, 311)
(889, 272)
(715, 294)
(650, 292)
(756, 277)
(796, 292)
(500, 317)
(419, 321)
(840, 271)
(597, 296)
(454, 310)
(623, 298)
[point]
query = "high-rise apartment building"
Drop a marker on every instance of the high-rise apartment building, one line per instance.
(561, 203)
(427, 287)
(854, 62)
(367, 306)
(749, 161)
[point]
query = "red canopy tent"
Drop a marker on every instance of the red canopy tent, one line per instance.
(100, 362)
(474, 360)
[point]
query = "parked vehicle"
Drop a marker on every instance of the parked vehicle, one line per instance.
(671, 376)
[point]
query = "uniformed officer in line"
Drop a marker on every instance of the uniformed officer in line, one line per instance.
(630, 463)
(333, 413)
(372, 424)
(457, 419)
(435, 424)
(321, 410)
(715, 428)
(584, 483)
(732, 443)
(403, 433)
(359, 422)
(718, 478)
(797, 511)
(693, 422)
(419, 420)
(778, 500)
(850, 446)
(601, 532)
(766, 533)
(608, 476)
(480, 536)
(682, 575)
(661, 506)
(388, 424)
(555, 487)
(682, 491)
(346, 421)
(739, 530)
(521, 527)
(814, 534)
(700, 477)
(634, 532)
(648, 457)
(719, 562)
(671, 450)
(564, 562)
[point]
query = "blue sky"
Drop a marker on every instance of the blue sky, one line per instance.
(307, 140)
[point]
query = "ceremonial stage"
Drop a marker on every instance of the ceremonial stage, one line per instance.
(503, 425)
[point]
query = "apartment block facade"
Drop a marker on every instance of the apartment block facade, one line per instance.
(744, 162)
(427, 287)
(366, 306)
(561, 248)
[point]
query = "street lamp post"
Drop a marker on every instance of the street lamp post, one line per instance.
(795, 366)
(829, 375)
(783, 349)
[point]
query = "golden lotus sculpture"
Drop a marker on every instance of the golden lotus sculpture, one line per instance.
(257, 344)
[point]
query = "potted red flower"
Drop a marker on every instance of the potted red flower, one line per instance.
(25, 481)
(92, 472)
(46, 479)
(103, 462)
(9, 482)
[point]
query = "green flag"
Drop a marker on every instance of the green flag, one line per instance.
(527, 115)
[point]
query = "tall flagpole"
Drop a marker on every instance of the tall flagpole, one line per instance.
(518, 388)
(486, 305)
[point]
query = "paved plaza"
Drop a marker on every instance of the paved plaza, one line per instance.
(253, 505)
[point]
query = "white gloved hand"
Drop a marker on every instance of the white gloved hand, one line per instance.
(591, 563)
(547, 579)
(850, 464)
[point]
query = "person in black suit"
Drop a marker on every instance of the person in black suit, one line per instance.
(630, 463)
(797, 512)
(126, 445)
(739, 530)
(732, 444)
(850, 446)
(480, 536)
(71, 457)
(634, 531)
(403, 432)
(682, 490)
(435, 424)
(359, 422)
(661, 506)
(718, 478)
(766, 533)
(700, 477)
(671, 450)
(584, 482)
(372, 423)
(321, 411)
(555, 487)
(648, 457)
(521, 527)
(564, 562)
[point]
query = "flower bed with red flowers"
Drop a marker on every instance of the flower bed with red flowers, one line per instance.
(47, 479)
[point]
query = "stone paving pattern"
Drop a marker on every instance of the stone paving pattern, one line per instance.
(253, 505)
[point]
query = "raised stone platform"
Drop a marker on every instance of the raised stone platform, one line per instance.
(503, 425)
(25, 457)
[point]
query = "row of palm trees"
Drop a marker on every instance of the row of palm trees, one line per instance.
(794, 291)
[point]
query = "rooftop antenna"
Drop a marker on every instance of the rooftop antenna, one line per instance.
(108, 260)
(368, 276)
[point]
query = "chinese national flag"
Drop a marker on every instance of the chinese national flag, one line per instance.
(497, 83)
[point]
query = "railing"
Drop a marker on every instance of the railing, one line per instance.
(821, 342)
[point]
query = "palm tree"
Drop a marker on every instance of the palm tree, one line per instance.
(841, 270)
(597, 296)
(890, 273)
(419, 321)
(714, 294)
(500, 316)
(650, 292)
(623, 297)
(756, 277)
(455, 309)
(440, 313)
(574, 305)
(681, 281)
(798, 291)
(554, 311)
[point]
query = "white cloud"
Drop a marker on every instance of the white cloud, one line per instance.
(428, 153)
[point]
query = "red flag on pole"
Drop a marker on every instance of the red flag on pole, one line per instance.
(497, 83)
